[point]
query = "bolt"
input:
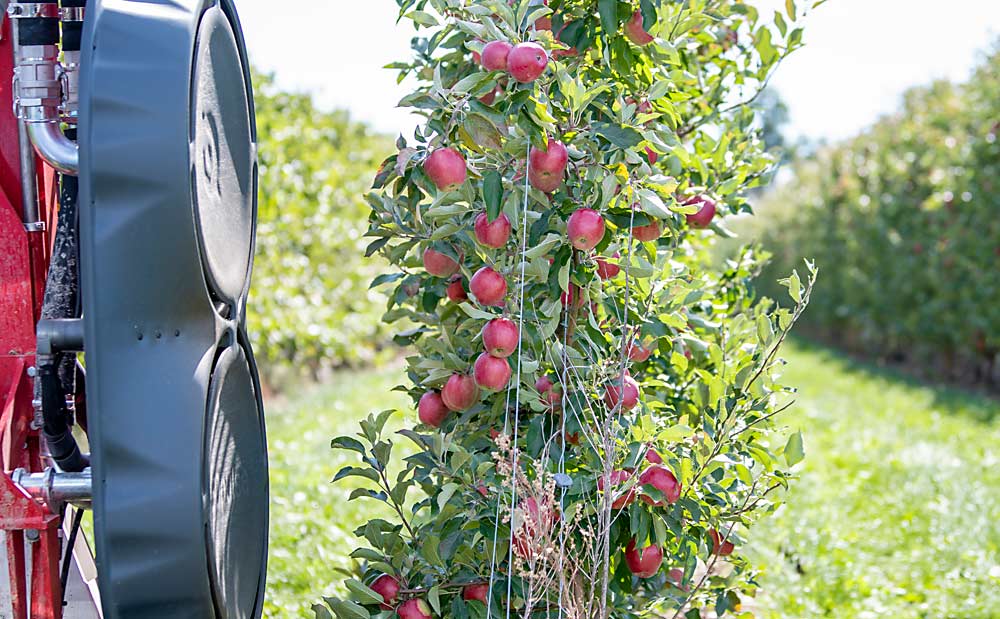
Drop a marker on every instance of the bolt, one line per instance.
(32, 371)
(32, 535)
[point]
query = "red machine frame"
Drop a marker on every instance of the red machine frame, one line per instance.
(24, 260)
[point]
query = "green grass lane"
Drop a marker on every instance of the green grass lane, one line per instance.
(897, 512)
(312, 522)
(895, 515)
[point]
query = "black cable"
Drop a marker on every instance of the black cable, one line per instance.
(68, 554)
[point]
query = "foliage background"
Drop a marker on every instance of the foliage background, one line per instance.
(904, 221)
(312, 309)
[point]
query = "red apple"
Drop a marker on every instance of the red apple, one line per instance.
(641, 107)
(456, 290)
(501, 337)
(432, 409)
(547, 167)
(705, 214)
(493, 234)
(495, 55)
(635, 32)
(492, 373)
(619, 478)
(676, 578)
(488, 286)
(652, 155)
(653, 457)
(490, 97)
(638, 353)
(719, 547)
(526, 62)
(446, 169)
(551, 393)
(388, 588)
(643, 562)
(460, 392)
(628, 397)
(438, 264)
(661, 478)
(608, 270)
(585, 229)
(414, 609)
(476, 592)
(483, 490)
(647, 233)
(573, 298)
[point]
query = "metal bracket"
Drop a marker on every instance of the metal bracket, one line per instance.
(55, 488)
(35, 226)
(33, 10)
(72, 13)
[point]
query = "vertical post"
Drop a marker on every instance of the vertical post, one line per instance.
(16, 565)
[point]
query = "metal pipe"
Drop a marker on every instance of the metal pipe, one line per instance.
(54, 488)
(54, 147)
(29, 182)
(39, 82)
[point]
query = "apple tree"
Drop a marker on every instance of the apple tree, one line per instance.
(596, 400)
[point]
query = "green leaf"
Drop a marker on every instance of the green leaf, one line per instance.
(447, 491)
(349, 443)
(493, 193)
(795, 287)
(648, 13)
(790, 9)
(423, 18)
(434, 597)
(386, 278)
(794, 450)
(482, 131)
(474, 312)
(609, 16)
(429, 550)
(470, 82)
(651, 204)
(353, 471)
(345, 609)
(362, 593)
(779, 21)
(622, 137)
(321, 612)
(659, 89)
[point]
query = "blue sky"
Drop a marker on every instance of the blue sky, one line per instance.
(860, 55)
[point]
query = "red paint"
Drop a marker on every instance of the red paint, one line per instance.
(24, 259)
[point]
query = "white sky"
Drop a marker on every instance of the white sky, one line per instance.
(860, 55)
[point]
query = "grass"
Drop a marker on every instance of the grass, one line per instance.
(895, 515)
(312, 522)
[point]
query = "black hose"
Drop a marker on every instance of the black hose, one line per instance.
(68, 555)
(38, 30)
(72, 31)
(57, 372)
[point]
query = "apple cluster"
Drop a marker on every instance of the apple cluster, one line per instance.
(577, 368)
